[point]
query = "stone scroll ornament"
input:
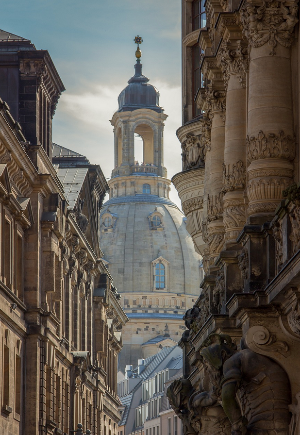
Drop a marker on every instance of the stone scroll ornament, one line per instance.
(243, 380)
(270, 22)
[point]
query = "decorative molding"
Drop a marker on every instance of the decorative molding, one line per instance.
(269, 22)
(259, 338)
(277, 234)
(192, 204)
(293, 319)
(267, 189)
(262, 207)
(234, 179)
(278, 146)
(218, 299)
(295, 230)
(234, 217)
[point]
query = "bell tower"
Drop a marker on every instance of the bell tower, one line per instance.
(139, 114)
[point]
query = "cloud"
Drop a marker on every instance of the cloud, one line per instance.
(83, 125)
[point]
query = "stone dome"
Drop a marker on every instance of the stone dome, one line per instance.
(139, 93)
(140, 231)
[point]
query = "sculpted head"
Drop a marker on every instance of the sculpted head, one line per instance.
(218, 348)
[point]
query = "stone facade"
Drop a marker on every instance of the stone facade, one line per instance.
(242, 340)
(60, 318)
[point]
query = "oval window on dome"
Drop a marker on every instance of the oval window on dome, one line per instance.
(146, 189)
(160, 275)
(107, 221)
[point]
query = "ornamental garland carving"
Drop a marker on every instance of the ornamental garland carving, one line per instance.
(233, 61)
(192, 204)
(214, 207)
(193, 152)
(234, 217)
(269, 22)
(234, 179)
(279, 146)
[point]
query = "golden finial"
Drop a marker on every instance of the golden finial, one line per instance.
(138, 40)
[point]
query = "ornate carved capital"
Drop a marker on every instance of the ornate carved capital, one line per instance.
(234, 217)
(270, 22)
(215, 100)
(234, 178)
(233, 61)
(271, 145)
(214, 237)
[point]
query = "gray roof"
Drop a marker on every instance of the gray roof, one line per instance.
(59, 151)
(72, 180)
(157, 339)
(175, 363)
(126, 401)
(7, 36)
(139, 198)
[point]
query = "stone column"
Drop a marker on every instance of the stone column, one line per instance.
(233, 60)
(213, 229)
(270, 141)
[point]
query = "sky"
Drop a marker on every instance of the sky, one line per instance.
(91, 45)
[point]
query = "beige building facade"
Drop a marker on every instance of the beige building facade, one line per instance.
(241, 171)
(143, 233)
(60, 317)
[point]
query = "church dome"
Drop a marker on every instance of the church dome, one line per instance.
(148, 249)
(139, 94)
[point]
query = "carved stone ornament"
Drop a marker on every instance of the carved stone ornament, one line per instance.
(215, 100)
(235, 178)
(192, 204)
(295, 232)
(279, 146)
(215, 241)
(205, 136)
(214, 207)
(243, 263)
(241, 380)
(193, 152)
(269, 22)
(261, 338)
(233, 61)
(292, 193)
(293, 319)
(196, 317)
(234, 217)
(218, 300)
(277, 234)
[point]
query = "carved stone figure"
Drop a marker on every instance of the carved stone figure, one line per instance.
(255, 390)
(193, 152)
(82, 220)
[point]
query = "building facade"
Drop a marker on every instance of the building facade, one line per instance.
(142, 391)
(143, 233)
(241, 167)
(60, 317)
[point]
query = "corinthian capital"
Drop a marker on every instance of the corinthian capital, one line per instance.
(233, 60)
(215, 100)
(269, 22)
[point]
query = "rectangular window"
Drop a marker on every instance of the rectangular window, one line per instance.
(157, 430)
(175, 425)
(18, 380)
(6, 376)
(146, 431)
(153, 432)
(19, 267)
(7, 252)
(169, 426)
(198, 15)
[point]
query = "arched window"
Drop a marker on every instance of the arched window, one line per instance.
(146, 188)
(160, 276)
(107, 221)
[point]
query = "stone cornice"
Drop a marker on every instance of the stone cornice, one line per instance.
(191, 38)
(191, 127)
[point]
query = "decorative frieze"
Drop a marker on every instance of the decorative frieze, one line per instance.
(266, 189)
(270, 22)
(234, 217)
(192, 204)
(234, 178)
(270, 145)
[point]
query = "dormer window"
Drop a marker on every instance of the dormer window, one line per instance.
(156, 220)
(108, 221)
(146, 189)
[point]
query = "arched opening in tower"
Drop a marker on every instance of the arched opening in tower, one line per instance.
(143, 145)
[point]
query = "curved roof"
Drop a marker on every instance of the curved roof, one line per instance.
(132, 244)
(139, 93)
